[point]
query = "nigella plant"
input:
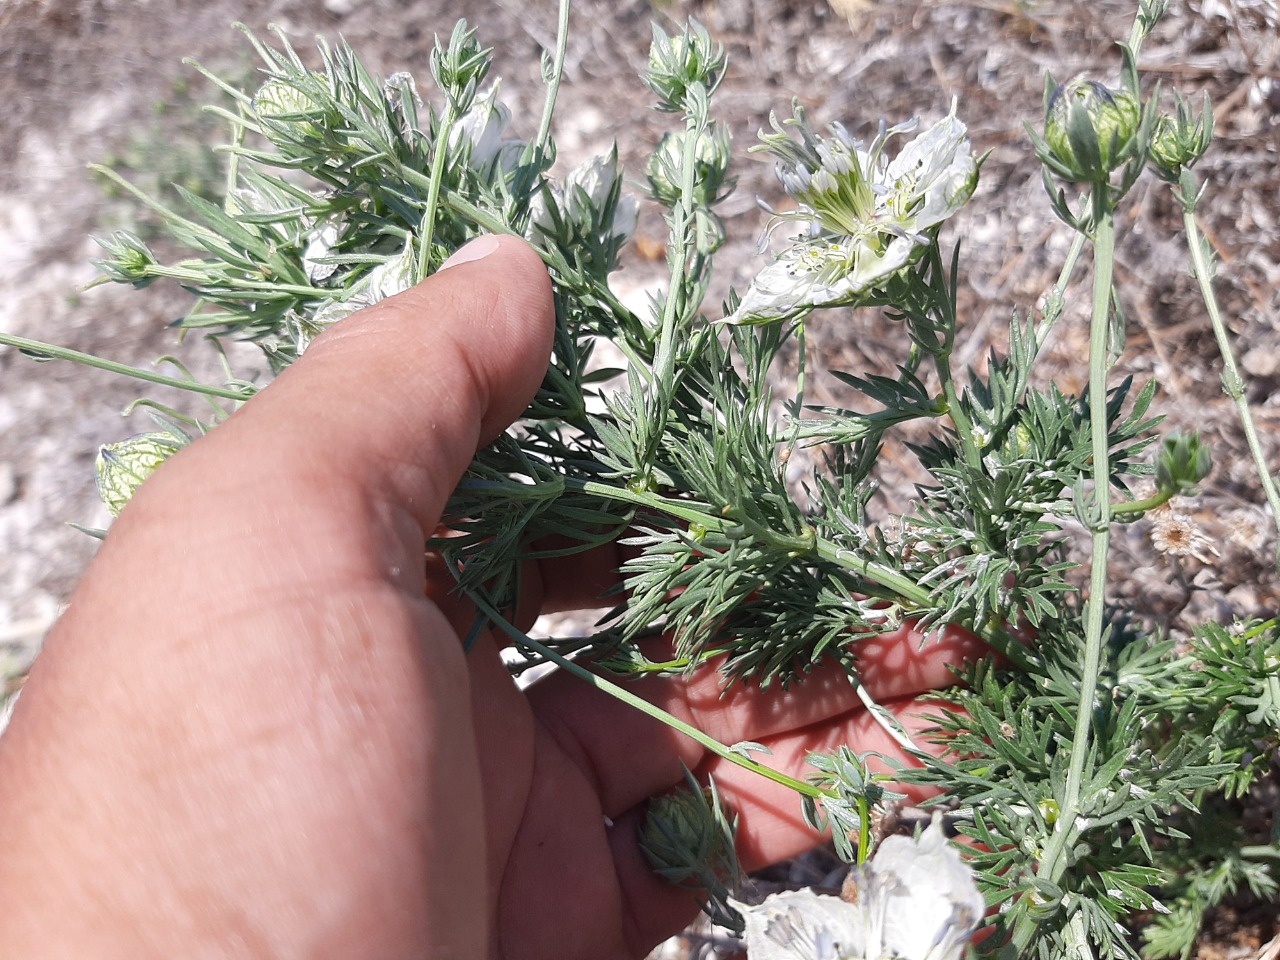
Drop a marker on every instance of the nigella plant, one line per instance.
(1077, 762)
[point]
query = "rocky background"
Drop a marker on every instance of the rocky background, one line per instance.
(102, 81)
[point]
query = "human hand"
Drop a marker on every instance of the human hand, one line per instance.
(255, 734)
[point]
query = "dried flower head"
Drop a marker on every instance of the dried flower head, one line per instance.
(1177, 534)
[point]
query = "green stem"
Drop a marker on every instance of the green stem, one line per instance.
(797, 407)
(955, 409)
(202, 282)
(212, 238)
(1140, 506)
(54, 352)
(681, 240)
(553, 81)
(427, 227)
(1054, 862)
(1055, 299)
(1232, 382)
(900, 586)
(644, 706)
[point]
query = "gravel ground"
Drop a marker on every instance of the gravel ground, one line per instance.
(94, 80)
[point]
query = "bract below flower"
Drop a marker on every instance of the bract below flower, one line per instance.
(588, 206)
(867, 216)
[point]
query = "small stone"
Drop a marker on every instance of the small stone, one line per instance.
(1261, 362)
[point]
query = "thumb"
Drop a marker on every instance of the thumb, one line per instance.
(397, 398)
(235, 728)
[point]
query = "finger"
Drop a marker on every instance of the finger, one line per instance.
(632, 756)
(380, 417)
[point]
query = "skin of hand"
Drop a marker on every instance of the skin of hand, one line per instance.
(255, 733)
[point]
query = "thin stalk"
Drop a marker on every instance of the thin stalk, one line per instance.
(955, 409)
(942, 363)
(797, 408)
(902, 587)
(1141, 506)
(206, 284)
(1232, 382)
(1053, 862)
(644, 706)
(1055, 299)
(54, 352)
(682, 218)
(427, 228)
(553, 81)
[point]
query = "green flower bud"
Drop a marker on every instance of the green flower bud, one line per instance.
(1090, 130)
(690, 64)
(1180, 139)
(460, 66)
(129, 260)
(688, 839)
(1182, 463)
(123, 466)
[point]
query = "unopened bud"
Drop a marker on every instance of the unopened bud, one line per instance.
(710, 164)
(1180, 139)
(688, 840)
(680, 65)
(1090, 129)
(128, 260)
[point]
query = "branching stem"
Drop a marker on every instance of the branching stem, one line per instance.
(553, 80)
(644, 706)
(1232, 382)
(1054, 861)
(51, 351)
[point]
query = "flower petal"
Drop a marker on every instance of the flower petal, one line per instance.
(801, 925)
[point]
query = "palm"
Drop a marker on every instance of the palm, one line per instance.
(567, 770)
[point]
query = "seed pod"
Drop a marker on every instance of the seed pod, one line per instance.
(122, 467)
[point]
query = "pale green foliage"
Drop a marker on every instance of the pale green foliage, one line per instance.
(343, 189)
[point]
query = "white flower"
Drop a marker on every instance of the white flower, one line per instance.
(588, 187)
(394, 275)
(320, 245)
(915, 900)
(866, 216)
(480, 129)
(800, 925)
